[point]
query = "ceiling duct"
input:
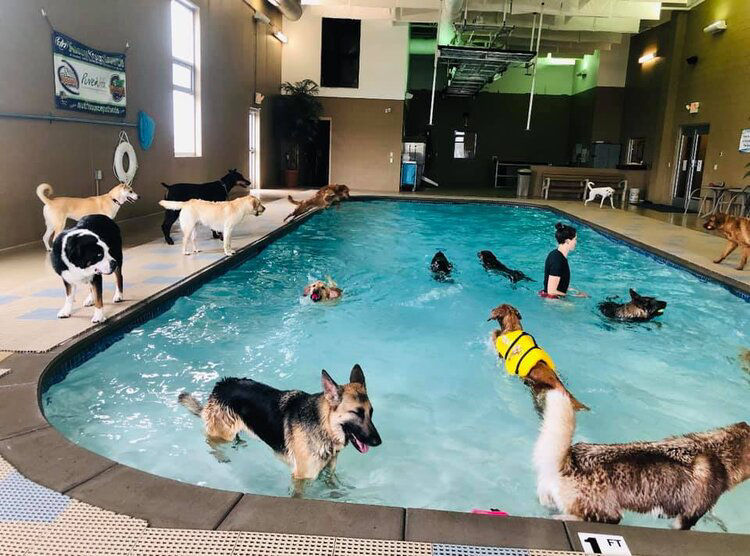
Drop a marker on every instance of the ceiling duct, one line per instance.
(290, 9)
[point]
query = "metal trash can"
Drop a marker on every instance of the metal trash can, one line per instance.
(634, 196)
(524, 181)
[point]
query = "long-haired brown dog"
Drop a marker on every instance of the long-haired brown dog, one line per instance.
(539, 374)
(736, 230)
(324, 198)
(307, 431)
(681, 477)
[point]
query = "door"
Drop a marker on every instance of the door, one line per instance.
(691, 158)
(320, 156)
(253, 148)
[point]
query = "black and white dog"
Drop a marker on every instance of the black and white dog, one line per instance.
(211, 191)
(80, 255)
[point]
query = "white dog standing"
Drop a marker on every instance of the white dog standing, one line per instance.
(220, 216)
(604, 192)
(58, 210)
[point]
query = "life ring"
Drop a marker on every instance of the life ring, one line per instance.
(122, 149)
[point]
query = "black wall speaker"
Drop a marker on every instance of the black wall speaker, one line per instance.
(692, 60)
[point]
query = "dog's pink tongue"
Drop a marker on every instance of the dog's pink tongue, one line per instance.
(361, 446)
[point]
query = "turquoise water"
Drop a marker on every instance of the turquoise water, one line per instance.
(457, 432)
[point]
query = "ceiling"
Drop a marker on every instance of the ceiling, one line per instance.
(570, 27)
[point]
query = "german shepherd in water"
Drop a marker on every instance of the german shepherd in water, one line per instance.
(307, 431)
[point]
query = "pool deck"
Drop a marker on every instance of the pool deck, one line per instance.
(58, 498)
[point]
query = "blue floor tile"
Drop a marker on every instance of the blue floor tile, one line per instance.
(23, 500)
(162, 280)
(41, 314)
(51, 292)
(158, 266)
(7, 299)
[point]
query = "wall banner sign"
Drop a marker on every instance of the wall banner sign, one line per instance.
(745, 141)
(86, 79)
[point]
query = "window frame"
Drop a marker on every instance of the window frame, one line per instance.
(194, 89)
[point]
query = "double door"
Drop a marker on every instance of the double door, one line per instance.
(691, 159)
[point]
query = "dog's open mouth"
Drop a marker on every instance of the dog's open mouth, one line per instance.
(361, 447)
(315, 296)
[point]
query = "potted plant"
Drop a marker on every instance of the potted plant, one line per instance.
(298, 115)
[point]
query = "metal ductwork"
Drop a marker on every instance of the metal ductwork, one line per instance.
(290, 9)
(450, 12)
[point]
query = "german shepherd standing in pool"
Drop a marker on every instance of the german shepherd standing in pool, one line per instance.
(307, 431)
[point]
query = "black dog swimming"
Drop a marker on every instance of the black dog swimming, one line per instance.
(490, 262)
(81, 254)
(639, 309)
(441, 267)
(211, 191)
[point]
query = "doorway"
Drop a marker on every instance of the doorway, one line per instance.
(253, 148)
(690, 163)
(320, 156)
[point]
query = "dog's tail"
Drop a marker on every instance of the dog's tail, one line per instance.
(291, 200)
(171, 205)
(555, 435)
(43, 191)
(189, 401)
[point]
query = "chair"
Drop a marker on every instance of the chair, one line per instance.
(713, 195)
(738, 202)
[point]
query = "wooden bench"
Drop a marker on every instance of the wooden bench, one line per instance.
(563, 182)
(576, 183)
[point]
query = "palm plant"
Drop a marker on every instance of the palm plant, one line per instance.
(299, 112)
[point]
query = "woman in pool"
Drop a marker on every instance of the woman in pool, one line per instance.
(556, 268)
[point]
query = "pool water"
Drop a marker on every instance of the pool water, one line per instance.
(457, 432)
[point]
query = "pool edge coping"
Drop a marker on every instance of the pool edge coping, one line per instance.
(453, 525)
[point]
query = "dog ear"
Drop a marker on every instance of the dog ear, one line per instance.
(515, 312)
(330, 389)
(633, 294)
(357, 375)
(75, 250)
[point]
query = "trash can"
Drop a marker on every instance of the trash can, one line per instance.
(524, 181)
(634, 196)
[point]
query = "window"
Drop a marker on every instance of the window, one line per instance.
(464, 144)
(186, 109)
(339, 53)
(635, 150)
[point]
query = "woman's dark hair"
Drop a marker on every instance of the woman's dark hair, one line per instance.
(564, 232)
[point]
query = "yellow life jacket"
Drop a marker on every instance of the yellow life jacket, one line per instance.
(520, 352)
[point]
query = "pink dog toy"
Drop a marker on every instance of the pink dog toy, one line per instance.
(488, 512)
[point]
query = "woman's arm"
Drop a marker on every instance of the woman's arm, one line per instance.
(552, 284)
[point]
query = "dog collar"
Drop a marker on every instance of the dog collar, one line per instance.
(118, 203)
(226, 187)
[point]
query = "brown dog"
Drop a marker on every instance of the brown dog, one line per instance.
(523, 357)
(736, 230)
(323, 291)
(324, 198)
(680, 477)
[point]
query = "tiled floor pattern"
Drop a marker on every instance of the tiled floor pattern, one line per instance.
(36, 521)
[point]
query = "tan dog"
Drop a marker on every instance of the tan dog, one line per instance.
(681, 477)
(58, 210)
(736, 230)
(323, 291)
(324, 198)
(524, 358)
(220, 216)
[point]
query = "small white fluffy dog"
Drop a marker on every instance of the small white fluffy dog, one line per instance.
(58, 210)
(604, 192)
(220, 216)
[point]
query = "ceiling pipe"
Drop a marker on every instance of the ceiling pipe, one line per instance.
(290, 9)
(536, 63)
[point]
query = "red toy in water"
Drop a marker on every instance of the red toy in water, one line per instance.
(489, 512)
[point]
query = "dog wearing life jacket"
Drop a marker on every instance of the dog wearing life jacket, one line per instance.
(524, 358)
